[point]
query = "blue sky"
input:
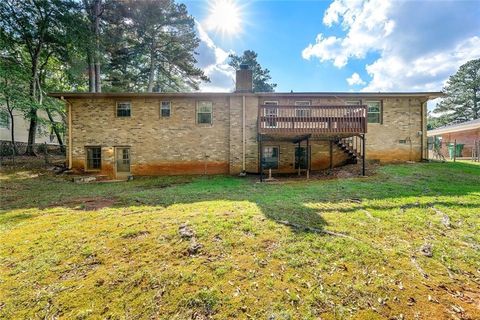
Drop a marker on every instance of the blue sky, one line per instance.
(343, 45)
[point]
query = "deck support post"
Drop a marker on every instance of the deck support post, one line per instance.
(298, 155)
(331, 154)
(260, 155)
(363, 154)
(455, 151)
(307, 154)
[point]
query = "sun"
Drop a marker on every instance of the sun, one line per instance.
(224, 17)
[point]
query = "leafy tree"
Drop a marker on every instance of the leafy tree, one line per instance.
(33, 31)
(463, 96)
(261, 76)
(435, 122)
(13, 89)
(94, 10)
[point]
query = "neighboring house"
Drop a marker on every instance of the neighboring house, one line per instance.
(44, 132)
(466, 134)
(118, 134)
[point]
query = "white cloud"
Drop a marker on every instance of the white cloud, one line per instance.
(355, 80)
(213, 60)
(367, 25)
(425, 72)
(418, 48)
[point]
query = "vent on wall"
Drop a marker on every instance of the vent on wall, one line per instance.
(402, 141)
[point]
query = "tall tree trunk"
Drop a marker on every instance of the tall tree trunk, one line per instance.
(91, 72)
(96, 11)
(151, 72)
(32, 130)
(476, 112)
(98, 84)
(55, 129)
(12, 127)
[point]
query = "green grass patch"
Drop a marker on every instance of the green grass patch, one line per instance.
(113, 250)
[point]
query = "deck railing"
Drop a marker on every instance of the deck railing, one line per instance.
(273, 119)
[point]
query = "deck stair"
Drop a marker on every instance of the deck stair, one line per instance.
(350, 146)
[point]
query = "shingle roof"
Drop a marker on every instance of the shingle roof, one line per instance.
(467, 125)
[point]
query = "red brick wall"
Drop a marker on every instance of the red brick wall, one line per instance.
(466, 137)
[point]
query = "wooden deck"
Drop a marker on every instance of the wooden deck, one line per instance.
(328, 120)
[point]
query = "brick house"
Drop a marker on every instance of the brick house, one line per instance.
(119, 134)
(466, 133)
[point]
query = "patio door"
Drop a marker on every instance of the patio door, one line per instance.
(122, 161)
(302, 157)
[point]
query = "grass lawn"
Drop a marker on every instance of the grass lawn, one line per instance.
(113, 250)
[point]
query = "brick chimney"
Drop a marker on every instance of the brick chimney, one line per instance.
(244, 79)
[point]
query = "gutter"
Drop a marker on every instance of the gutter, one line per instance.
(454, 129)
(70, 138)
(243, 134)
(424, 152)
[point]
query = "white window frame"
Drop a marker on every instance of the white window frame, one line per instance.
(129, 108)
(265, 113)
(169, 109)
(87, 168)
(278, 154)
(302, 103)
(380, 111)
(303, 112)
(353, 102)
(197, 112)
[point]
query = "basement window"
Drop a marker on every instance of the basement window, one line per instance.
(165, 109)
(124, 109)
(270, 157)
(374, 111)
(204, 112)
(94, 158)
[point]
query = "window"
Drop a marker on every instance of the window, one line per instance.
(270, 158)
(353, 103)
(94, 158)
(303, 112)
(302, 103)
(270, 114)
(4, 120)
(374, 111)
(204, 112)
(165, 109)
(123, 109)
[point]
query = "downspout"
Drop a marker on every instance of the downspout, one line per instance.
(69, 133)
(243, 134)
(424, 153)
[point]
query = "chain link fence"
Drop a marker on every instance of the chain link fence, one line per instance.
(453, 150)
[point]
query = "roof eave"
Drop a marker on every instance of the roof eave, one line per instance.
(74, 95)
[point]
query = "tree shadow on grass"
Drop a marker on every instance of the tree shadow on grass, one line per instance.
(292, 202)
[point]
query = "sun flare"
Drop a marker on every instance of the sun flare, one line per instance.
(224, 17)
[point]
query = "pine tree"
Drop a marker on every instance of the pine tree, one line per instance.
(463, 96)
(261, 76)
(151, 47)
